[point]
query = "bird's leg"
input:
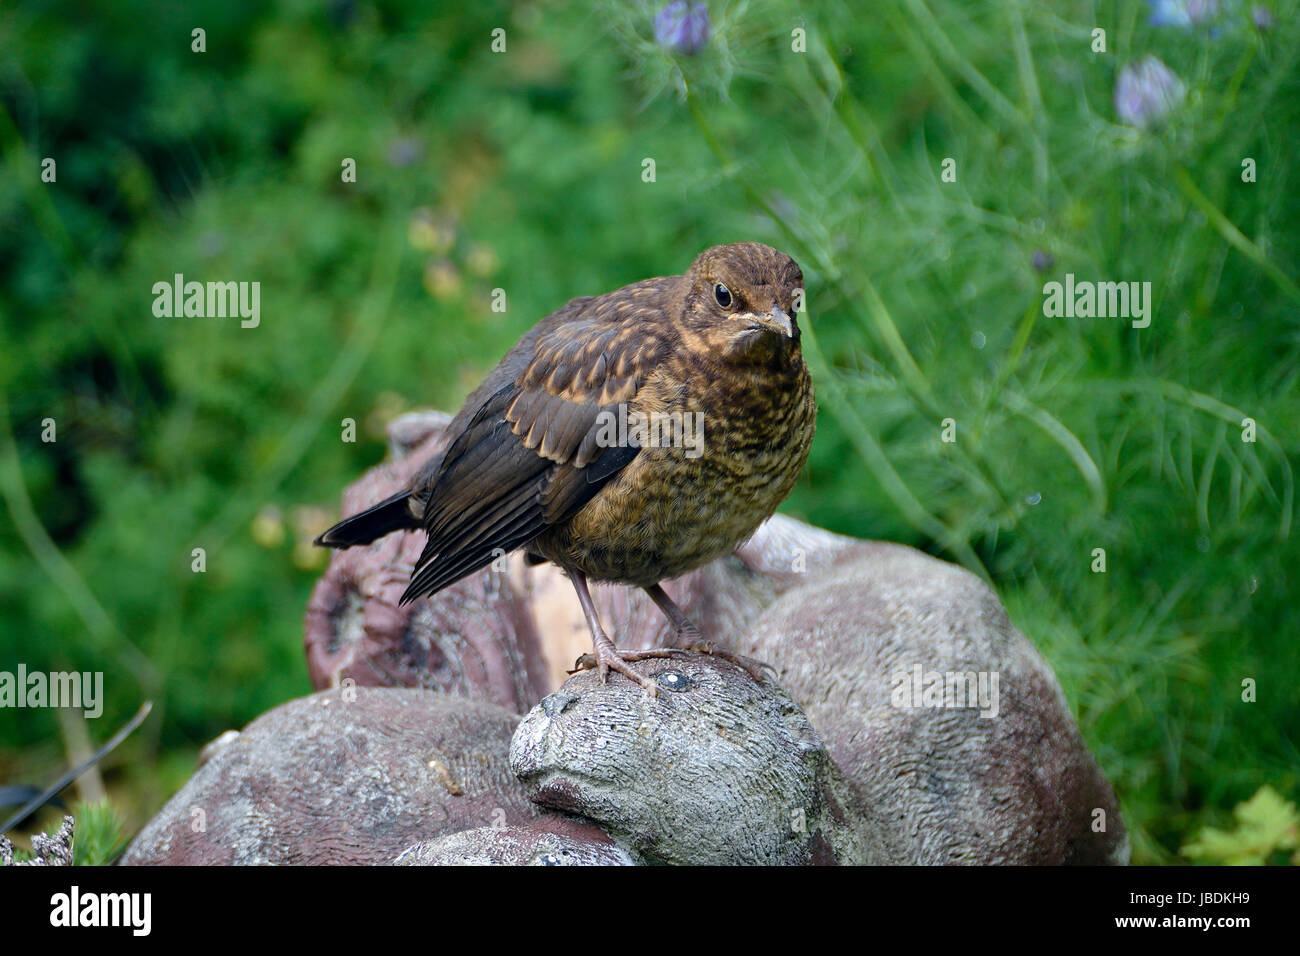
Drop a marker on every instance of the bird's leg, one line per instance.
(689, 634)
(607, 657)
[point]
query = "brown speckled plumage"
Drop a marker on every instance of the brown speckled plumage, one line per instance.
(530, 464)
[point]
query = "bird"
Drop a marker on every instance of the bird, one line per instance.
(628, 438)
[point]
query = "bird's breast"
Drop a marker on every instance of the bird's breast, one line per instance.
(729, 448)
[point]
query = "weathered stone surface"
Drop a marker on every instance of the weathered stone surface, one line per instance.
(329, 779)
(938, 784)
(475, 639)
(552, 839)
(716, 769)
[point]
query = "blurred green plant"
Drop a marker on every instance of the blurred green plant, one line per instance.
(99, 834)
(1267, 831)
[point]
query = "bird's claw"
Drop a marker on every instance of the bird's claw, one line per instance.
(602, 664)
(755, 668)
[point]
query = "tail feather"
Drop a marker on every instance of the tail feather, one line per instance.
(389, 515)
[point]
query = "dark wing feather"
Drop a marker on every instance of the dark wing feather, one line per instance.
(526, 455)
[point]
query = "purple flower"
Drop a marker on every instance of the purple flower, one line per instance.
(404, 151)
(1145, 93)
(682, 29)
(1182, 13)
(1043, 261)
(1262, 17)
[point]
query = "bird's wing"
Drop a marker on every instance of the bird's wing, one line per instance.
(531, 455)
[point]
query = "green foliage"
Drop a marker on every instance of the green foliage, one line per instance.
(98, 834)
(522, 171)
(1267, 831)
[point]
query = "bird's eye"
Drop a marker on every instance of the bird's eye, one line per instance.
(723, 295)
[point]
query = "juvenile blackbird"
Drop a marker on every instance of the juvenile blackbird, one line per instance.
(628, 437)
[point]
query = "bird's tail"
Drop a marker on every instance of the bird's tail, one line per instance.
(389, 515)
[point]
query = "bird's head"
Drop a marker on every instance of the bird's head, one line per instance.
(743, 302)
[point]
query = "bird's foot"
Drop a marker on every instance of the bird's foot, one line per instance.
(607, 658)
(689, 637)
(755, 668)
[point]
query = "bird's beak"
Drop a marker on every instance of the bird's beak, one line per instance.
(782, 321)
